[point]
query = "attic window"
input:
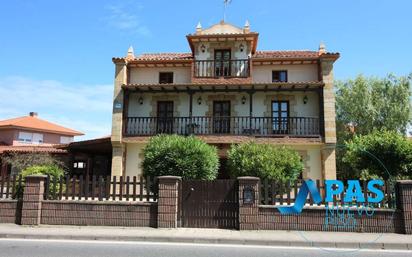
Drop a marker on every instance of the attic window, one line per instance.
(165, 77)
(279, 76)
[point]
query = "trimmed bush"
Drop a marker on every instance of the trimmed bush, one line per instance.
(175, 155)
(264, 161)
(53, 171)
(369, 155)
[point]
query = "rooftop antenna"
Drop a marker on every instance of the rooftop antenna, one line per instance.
(225, 3)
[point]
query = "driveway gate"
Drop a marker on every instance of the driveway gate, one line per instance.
(210, 204)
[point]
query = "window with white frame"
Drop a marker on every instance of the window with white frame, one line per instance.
(65, 140)
(29, 137)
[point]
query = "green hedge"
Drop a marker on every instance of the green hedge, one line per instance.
(264, 161)
(175, 155)
(53, 171)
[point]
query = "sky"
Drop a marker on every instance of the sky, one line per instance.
(56, 55)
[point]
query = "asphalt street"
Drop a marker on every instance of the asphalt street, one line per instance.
(68, 248)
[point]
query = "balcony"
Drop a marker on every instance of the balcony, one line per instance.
(217, 68)
(241, 125)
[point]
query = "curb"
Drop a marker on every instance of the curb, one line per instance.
(255, 242)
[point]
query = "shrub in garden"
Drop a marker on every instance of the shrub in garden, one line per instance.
(53, 171)
(175, 155)
(264, 161)
(367, 155)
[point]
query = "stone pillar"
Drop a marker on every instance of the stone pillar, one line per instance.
(329, 114)
(328, 154)
(404, 203)
(168, 201)
(117, 117)
(249, 212)
(32, 198)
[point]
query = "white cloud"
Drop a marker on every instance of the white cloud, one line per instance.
(82, 107)
(124, 18)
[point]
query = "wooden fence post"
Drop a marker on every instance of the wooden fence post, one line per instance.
(249, 201)
(167, 202)
(32, 198)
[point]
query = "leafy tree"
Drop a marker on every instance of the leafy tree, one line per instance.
(369, 154)
(187, 157)
(265, 161)
(373, 103)
(366, 104)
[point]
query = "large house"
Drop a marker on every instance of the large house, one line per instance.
(225, 91)
(28, 134)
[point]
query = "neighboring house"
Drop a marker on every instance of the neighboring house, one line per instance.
(32, 134)
(226, 91)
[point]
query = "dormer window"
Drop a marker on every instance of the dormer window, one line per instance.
(279, 76)
(165, 77)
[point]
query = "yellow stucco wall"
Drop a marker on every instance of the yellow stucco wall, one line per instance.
(311, 153)
(134, 160)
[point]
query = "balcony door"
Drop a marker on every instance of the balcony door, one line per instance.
(280, 117)
(165, 117)
(222, 63)
(221, 117)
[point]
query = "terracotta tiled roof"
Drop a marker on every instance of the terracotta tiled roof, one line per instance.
(164, 56)
(286, 54)
(34, 123)
(262, 54)
(30, 149)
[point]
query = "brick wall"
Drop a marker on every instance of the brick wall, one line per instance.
(313, 218)
(10, 211)
(128, 214)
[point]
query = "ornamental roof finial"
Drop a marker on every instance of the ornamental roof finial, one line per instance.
(199, 28)
(130, 52)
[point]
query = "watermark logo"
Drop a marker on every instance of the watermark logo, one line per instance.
(355, 200)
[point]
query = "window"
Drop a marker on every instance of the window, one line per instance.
(280, 117)
(65, 140)
(165, 77)
(79, 165)
(30, 137)
(25, 136)
(279, 76)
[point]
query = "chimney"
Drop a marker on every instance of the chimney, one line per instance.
(33, 114)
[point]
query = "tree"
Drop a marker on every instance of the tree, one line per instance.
(367, 104)
(370, 155)
(373, 103)
(175, 155)
(264, 161)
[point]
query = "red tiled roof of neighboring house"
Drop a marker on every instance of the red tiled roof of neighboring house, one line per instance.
(30, 149)
(34, 123)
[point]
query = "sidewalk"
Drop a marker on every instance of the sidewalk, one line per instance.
(219, 236)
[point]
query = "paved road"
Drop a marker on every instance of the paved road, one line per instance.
(66, 248)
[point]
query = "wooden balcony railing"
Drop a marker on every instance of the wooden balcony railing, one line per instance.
(215, 68)
(242, 125)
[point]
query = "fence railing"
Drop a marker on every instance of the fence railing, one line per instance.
(222, 68)
(9, 186)
(275, 193)
(233, 125)
(101, 188)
